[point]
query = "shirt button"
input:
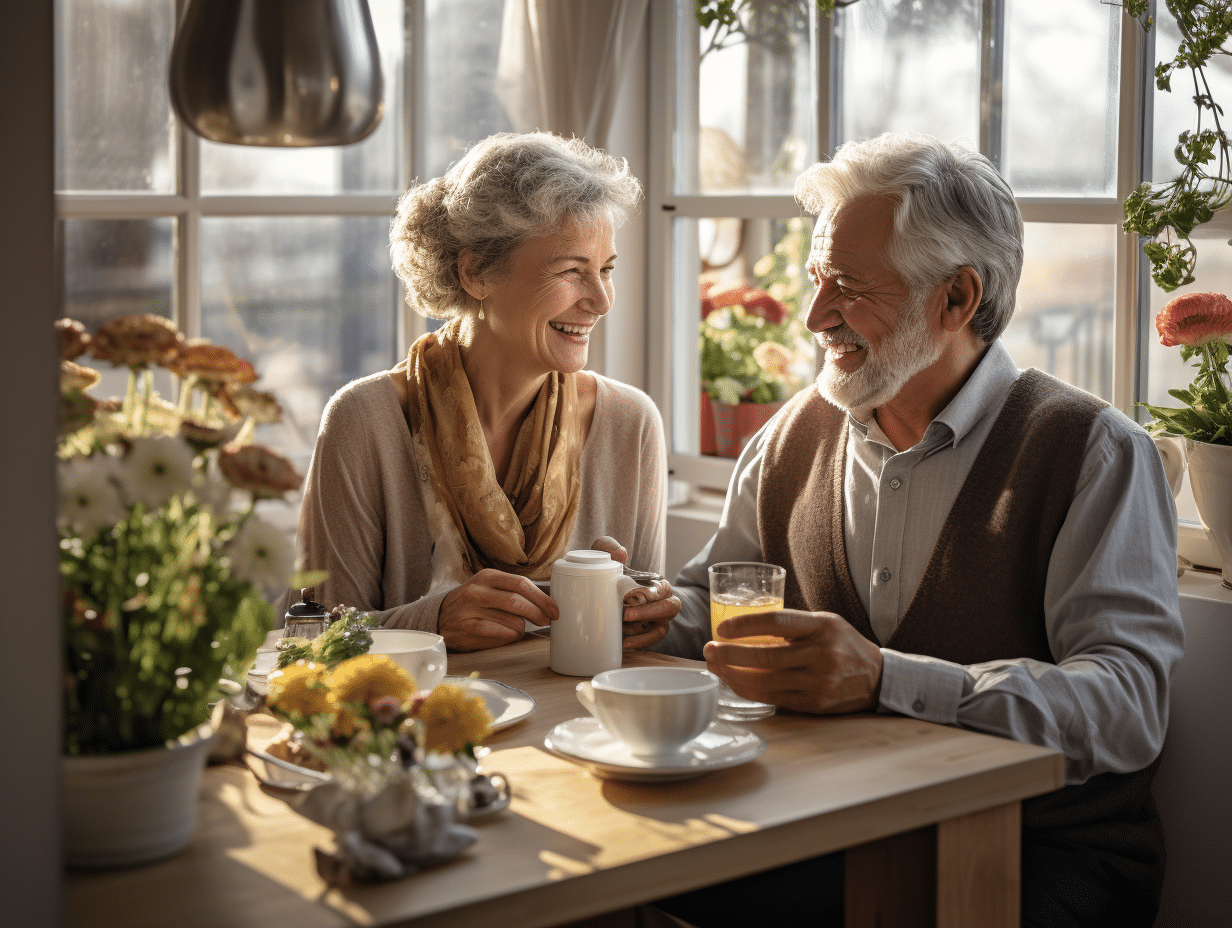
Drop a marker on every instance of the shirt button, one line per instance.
(885, 576)
(918, 705)
(895, 483)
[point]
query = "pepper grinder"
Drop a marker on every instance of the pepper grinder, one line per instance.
(306, 618)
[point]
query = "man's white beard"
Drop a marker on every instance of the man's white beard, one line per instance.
(903, 354)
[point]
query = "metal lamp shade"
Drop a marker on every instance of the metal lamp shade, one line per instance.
(283, 73)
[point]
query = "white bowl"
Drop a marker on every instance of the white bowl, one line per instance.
(421, 654)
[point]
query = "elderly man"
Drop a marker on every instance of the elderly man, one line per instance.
(965, 542)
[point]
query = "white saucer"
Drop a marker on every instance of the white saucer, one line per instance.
(507, 704)
(586, 741)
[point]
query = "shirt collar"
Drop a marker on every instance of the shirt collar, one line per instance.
(982, 394)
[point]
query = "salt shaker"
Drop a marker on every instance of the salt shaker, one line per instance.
(306, 618)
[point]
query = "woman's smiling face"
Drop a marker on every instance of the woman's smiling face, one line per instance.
(553, 291)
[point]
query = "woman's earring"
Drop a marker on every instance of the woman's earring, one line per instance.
(481, 310)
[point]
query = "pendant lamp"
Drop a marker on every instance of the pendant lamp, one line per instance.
(282, 73)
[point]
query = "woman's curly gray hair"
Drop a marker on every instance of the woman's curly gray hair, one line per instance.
(953, 210)
(504, 190)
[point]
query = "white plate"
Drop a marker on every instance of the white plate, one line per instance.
(507, 705)
(586, 741)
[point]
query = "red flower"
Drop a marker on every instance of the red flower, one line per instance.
(1193, 318)
(753, 301)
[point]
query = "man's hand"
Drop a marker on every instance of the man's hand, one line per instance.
(649, 610)
(824, 666)
(488, 610)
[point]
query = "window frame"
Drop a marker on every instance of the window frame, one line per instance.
(188, 206)
(664, 204)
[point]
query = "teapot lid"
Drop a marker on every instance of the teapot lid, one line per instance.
(306, 607)
(585, 561)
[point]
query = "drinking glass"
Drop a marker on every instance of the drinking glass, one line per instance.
(737, 588)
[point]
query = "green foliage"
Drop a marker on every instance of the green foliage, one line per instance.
(762, 22)
(1207, 412)
(347, 636)
(729, 372)
(155, 620)
(1167, 214)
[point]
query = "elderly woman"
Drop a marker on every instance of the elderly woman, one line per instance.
(440, 490)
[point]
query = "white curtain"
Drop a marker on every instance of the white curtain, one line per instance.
(561, 63)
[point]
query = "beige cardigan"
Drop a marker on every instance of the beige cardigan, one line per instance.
(363, 521)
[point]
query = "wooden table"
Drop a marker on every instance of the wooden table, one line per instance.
(929, 815)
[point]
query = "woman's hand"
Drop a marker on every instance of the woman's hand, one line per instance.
(649, 610)
(491, 609)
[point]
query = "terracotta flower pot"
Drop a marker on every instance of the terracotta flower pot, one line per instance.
(706, 425)
(136, 807)
(735, 424)
(1210, 475)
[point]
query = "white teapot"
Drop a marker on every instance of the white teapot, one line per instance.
(589, 589)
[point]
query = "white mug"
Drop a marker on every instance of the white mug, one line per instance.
(654, 710)
(589, 590)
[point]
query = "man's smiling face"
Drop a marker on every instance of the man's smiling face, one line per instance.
(876, 333)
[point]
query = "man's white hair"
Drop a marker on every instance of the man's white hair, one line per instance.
(952, 209)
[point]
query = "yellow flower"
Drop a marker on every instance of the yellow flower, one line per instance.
(369, 677)
(453, 719)
(301, 687)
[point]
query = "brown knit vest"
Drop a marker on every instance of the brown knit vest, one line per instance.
(981, 596)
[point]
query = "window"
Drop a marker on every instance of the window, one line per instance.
(1049, 90)
(280, 254)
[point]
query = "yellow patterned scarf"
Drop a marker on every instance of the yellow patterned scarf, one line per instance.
(523, 526)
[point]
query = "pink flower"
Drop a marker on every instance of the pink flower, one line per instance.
(386, 709)
(1193, 318)
(750, 299)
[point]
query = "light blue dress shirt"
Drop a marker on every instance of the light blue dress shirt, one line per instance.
(1111, 607)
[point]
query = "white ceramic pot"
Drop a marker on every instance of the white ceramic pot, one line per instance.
(135, 807)
(1210, 475)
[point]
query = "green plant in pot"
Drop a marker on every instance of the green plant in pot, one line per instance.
(164, 579)
(1165, 216)
(748, 359)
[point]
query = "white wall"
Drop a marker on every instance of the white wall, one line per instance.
(30, 670)
(1191, 787)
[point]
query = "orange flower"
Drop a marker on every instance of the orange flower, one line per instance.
(74, 339)
(264, 473)
(753, 301)
(1193, 318)
(773, 358)
(74, 376)
(136, 341)
(212, 363)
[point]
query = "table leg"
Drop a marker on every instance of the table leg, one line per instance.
(979, 868)
(892, 882)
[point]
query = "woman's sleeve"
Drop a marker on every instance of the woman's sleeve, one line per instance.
(348, 505)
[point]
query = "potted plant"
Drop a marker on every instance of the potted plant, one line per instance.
(749, 361)
(164, 581)
(1201, 324)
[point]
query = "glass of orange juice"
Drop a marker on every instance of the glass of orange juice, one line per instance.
(737, 588)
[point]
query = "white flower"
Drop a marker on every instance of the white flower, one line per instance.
(156, 469)
(89, 499)
(261, 554)
(213, 492)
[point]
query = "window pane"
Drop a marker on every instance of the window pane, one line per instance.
(1174, 110)
(310, 301)
(1062, 65)
(766, 255)
(745, 113)
(370, 166)
(908, 67)
(459, 94)
(1064, 319)
(113, 114)
(115, 267)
